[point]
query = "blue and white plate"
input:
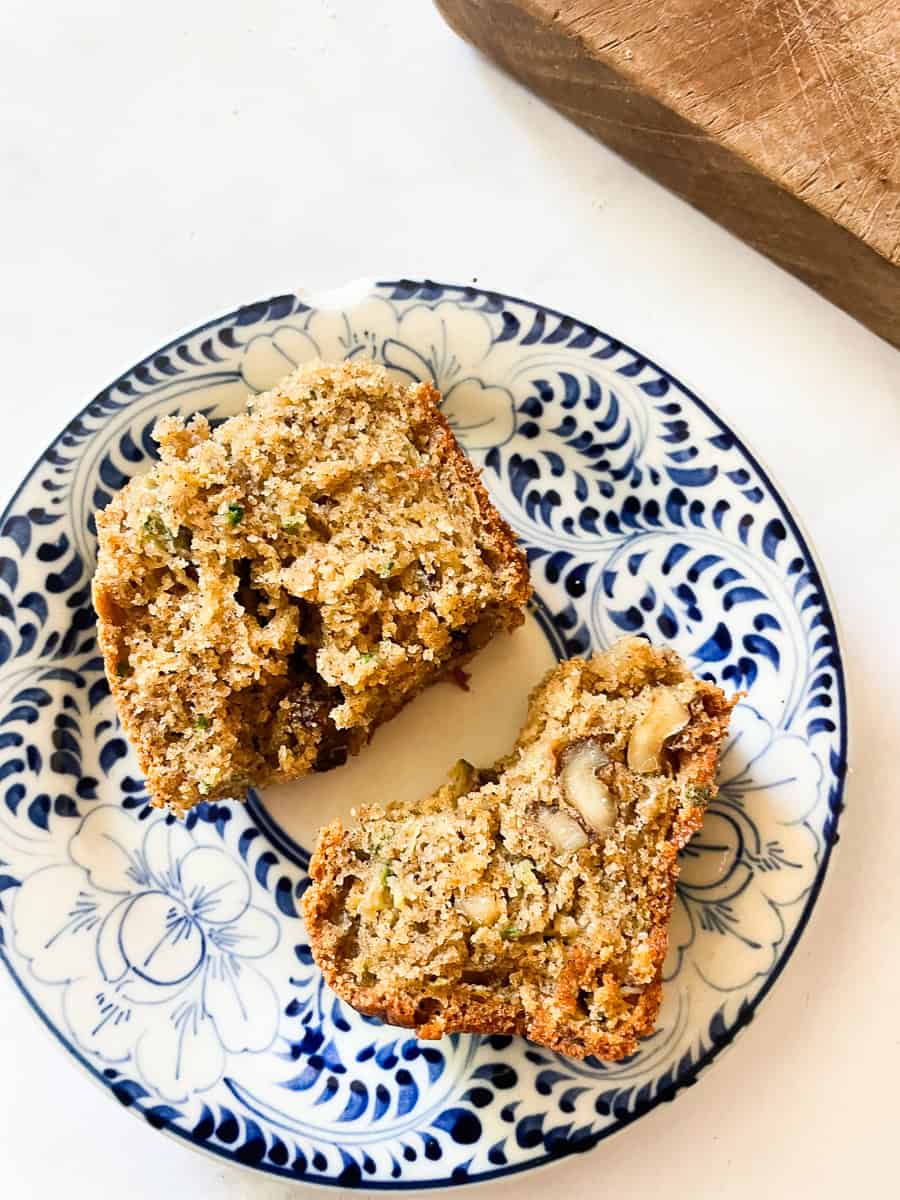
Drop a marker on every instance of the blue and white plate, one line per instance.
(170, 960)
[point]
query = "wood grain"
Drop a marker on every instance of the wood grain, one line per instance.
(778, 118)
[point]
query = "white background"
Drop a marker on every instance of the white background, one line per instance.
(163, 162)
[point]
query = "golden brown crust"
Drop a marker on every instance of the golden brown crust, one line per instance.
(498, 534)
(277, 588)
(582, 989)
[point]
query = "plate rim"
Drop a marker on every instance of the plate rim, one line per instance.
(836, 803)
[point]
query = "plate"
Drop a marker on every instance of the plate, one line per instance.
(170, 960)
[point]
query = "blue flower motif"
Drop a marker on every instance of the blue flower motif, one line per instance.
(146, 917)
(268, 357)
(754, 855)
(480, 412)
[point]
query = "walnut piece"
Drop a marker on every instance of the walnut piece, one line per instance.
(480, 907)
(664, 718)
(564, 831)
(589, 795)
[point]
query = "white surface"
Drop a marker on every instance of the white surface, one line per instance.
(160, 163)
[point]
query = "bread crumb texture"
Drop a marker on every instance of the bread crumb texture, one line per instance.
(533, 897)
(277, 587)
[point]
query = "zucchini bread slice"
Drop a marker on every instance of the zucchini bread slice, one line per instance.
(276, 588)
(533, 897)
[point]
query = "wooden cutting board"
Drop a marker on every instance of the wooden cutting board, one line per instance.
(778, 118)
